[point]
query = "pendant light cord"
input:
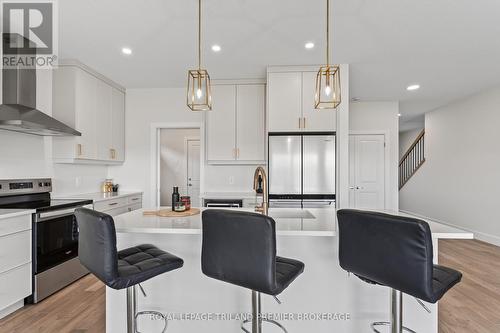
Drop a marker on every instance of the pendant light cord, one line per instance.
(328, 33)
(199, 34)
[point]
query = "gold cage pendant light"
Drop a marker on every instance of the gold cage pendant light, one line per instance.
(328, 94)
(199, 94)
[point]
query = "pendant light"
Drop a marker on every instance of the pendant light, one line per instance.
(199, 94)
(328, 78)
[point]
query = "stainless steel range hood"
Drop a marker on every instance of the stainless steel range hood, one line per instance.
(18, 109)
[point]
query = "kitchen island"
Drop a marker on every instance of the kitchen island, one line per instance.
(323, 299)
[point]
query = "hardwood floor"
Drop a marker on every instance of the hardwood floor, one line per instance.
(78, 308)
(473, 306)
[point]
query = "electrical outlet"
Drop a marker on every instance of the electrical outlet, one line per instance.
(231, 180)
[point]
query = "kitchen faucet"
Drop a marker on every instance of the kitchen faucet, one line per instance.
(260, 172)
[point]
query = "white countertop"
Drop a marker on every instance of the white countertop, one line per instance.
(99, 196)
(6, 213)
(320, 222)
(439, 230)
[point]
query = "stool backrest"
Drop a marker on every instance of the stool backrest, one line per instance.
(97, 244)
(239, 248)
(390, 250)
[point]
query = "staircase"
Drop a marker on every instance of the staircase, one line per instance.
(412, 160)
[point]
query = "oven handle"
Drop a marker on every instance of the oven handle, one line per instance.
(41, 217)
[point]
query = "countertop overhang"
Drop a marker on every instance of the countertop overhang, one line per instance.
(289, 222)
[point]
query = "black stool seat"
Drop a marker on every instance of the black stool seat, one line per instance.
(287, 270)
(443, 279)
(117, 269)
(240, 248)
(393, 251)
(396, 252)
(140, 263)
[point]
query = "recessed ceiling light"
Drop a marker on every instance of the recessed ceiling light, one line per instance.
(309, 45)
(127, 51)
(216, 48)
(413, 87)
(399, 114)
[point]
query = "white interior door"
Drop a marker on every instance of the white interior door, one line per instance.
(193, 171)
(367, 171)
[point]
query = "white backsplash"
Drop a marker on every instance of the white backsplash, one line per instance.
(30, 156)
(229, 178)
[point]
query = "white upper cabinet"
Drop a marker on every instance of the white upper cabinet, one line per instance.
(85, 113)
(220, 124)
(291, 103)
(284, 101)
(118, 126)
(250, 122)
(104, 120)
(314, 119)
(235, 128)
(94, 106)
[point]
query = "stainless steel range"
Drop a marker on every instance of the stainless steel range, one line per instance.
(55, 233)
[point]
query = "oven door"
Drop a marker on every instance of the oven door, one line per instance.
(55, 239)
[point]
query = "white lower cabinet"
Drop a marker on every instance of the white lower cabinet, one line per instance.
(15, 285)
(15, 261)
(119, 205)
(15, 250)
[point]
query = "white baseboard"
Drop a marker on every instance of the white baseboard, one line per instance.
(492, 239)
(10, 309)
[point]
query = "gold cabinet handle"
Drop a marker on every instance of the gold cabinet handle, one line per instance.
(79, 150)
(238, 153)
(304, 122)
(113, 153)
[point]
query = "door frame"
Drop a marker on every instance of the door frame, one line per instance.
(186, 151)
(155, 129)
(387, 161)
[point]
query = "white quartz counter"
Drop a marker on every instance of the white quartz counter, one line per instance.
(292, 222)
(99, 196)
(289, 221)
(7, 213)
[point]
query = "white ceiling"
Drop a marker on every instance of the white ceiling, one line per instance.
(450, 47)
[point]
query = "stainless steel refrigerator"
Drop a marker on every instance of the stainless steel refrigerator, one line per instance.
(301, 169)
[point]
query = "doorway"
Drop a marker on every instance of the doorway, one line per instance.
(179, 164)
(367, 163)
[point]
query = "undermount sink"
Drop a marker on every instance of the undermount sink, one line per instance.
(290, 214)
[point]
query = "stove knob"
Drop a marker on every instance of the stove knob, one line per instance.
(40, 184)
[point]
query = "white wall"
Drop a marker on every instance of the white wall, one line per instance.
(406, 139)
(165, 105)
(459, 183)
(376, 117)
(30, 156)
(173, 162)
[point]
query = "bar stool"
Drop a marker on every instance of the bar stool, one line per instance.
(396, 252)
(120, 269)
(240, 248)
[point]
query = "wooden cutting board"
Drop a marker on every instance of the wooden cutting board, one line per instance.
(170, 213)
